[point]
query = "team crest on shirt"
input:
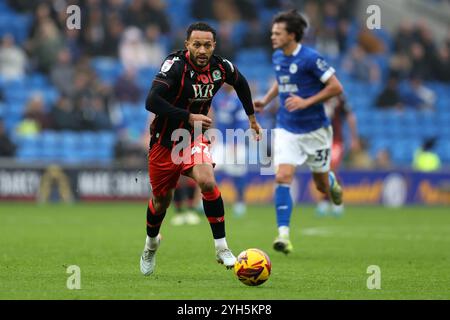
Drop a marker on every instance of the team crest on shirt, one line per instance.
(322, 65)
(168, 64)
(217, 75)
(285, 79)
(293, 68)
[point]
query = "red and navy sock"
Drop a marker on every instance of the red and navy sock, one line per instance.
(215, 212)
(154, 220)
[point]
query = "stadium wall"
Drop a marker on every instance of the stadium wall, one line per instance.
(68, 184)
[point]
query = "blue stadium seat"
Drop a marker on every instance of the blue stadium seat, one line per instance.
(238, 32)
(36, 81)
(107, 69)
(29, 148)
(145, 76)
(252, 57)
(106, 138)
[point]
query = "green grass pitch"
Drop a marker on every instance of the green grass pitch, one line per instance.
(38, 242)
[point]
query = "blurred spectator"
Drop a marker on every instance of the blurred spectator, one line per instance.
(404, 37)
(23, 5)
(226, 10)
(327, 40)
(130, 149)
(425, 37)
(135, 14)
(312, 12)
(256, 36)
(115, 7)
(390, 96)
(360, 158)
(202, 9)
(97, 115)
(248, 9)
(425, 159)
(133, 50)
(419, 65)
(92, 101)
(63, 116)
(35, 118)
(343, 35)
(156, 14)
(442, 65)
(225, 42)
(359, 66)
(72, 41)
(62, 73)
(155, 51)
(126, 88)
(400, 64)
(94, 33)
(113, 35)
(7, 147)
(414, 94)
(45, 45)
(383, 159)
(370, 43)
(12, 59)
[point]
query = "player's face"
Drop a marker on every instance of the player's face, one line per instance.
(280, 37)
(201, 46)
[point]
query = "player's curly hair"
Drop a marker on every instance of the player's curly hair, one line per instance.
(200, 26)
(295, 22)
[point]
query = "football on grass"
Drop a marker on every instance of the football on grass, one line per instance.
(253, 267)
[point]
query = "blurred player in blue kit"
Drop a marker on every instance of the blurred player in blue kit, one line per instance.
(303, 132)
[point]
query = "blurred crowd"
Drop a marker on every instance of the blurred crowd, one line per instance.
(140, 33)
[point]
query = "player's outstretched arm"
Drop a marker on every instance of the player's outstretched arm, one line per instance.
(333, 87)
(270, 95)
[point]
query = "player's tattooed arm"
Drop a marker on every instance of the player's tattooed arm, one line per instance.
(332, 88)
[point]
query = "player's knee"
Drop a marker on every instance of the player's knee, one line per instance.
(207, 185)
(283, 177)
(161, 203)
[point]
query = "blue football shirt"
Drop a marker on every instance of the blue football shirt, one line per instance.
(304, 73)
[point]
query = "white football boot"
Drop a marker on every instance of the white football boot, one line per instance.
(226, 257)
(148, 258)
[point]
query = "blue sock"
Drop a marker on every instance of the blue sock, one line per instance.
(283, 205)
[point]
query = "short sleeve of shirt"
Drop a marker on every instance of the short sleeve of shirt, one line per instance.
(169, 71)
(320, 68)
(231, 73)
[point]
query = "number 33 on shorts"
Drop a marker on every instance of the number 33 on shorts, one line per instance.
(322, 156)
